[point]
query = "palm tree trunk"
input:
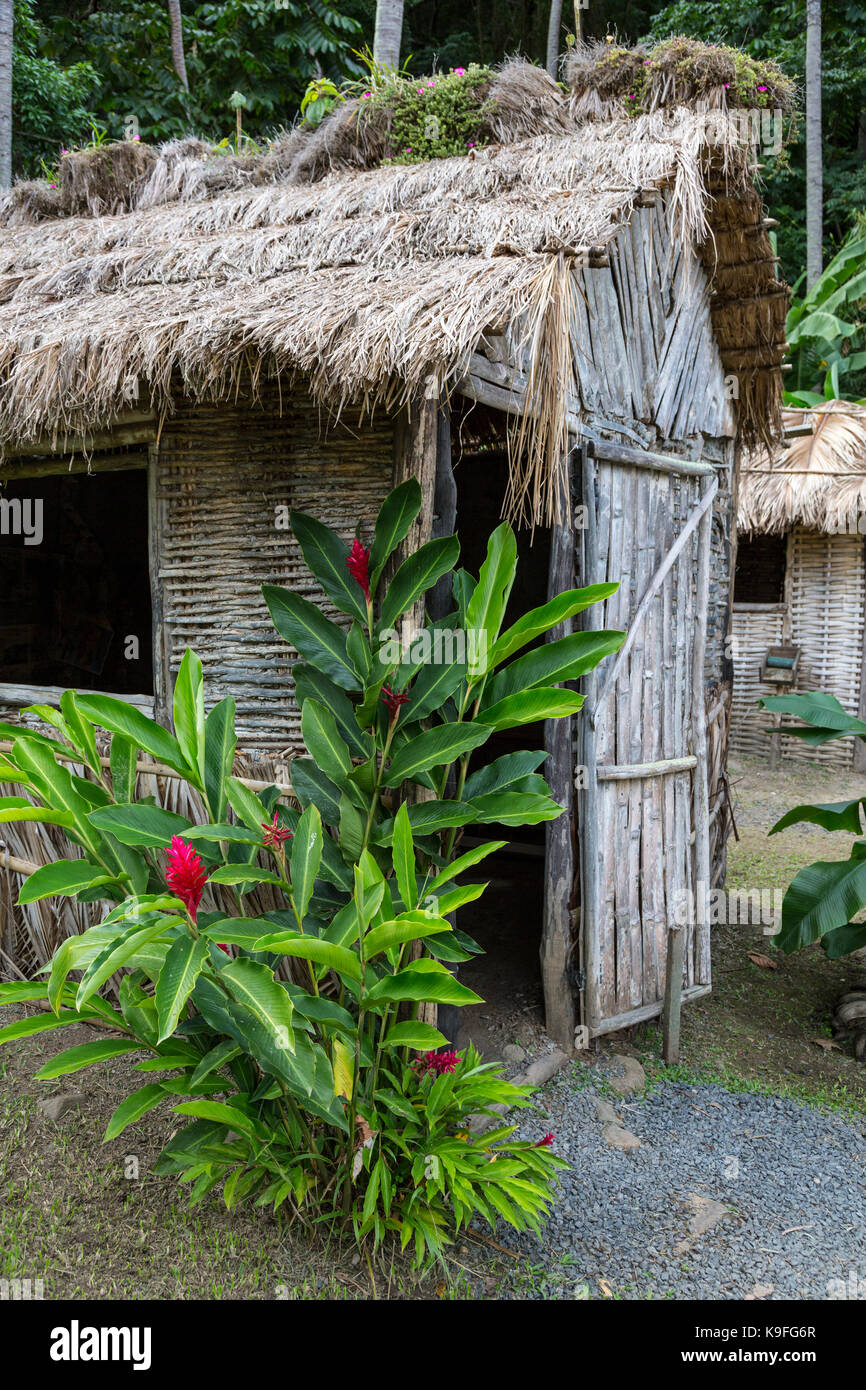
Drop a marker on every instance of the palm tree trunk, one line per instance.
(6, 13)
(814, 154)
(177, 55)
(389, 32)
(554, 29)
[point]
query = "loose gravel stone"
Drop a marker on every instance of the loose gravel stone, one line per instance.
(790, 1179)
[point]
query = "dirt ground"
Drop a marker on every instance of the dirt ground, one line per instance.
(89, 1220)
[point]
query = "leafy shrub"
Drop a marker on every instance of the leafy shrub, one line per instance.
(823, 898)
(334, 1101)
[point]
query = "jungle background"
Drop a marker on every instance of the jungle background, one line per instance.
(82, 67)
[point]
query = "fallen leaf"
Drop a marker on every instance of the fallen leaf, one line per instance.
(827, 1044)
(759, 1291)
(763, 961)
(605, 1288)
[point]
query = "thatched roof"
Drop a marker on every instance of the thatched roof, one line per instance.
(817, 479)
(146, 267)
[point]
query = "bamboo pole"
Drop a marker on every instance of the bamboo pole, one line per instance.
(18, 866)
(160, 770)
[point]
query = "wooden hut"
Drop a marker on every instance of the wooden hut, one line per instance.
(574, 323)
(800, 590)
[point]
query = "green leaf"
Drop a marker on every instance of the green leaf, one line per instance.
(248, 807)
(397, 513)
(403, 853)
(305, 627)
(421, 1037)
(230, 834)
(844, 940)
(443, 744)
(61, 879)
(312, 683)
(254, 986)
(322, 739)
(116, 954)
(86, 1055)
(428, 818)
(313, 788)
(306, 858)
(417, 574)
(566, 660)
(40, 1023)
(351, 830)
(409, 926)
(189, 712)
(425, 980)
(149, 827)
(80, 730)
(183, 964)
(118, 717)
(235, 931)
(828, 718)
(222, 1114)
(326, 555)
(25, 811)
(546, 702)
(338, 958)
(487, 606)
(56, 786)
(218, 1057)
(463, 863)
(132, 1109)
(437, 680)
(821, 898)
(234, 874)
(515, 808)
(123, 758)
(837, 815)
(510, 772)
(220, 742)
(539, 621)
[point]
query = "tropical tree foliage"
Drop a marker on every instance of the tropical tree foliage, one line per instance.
(291, 1040)
(824, 898)
(827, 332)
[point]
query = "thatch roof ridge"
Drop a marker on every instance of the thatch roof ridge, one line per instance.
(816, 480)
(373, 283)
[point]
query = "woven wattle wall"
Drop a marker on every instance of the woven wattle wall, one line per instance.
(827, 600)
(223, 471)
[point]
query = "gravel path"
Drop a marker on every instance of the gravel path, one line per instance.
(632, 1219)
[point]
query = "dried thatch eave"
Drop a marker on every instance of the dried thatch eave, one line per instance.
(816, 479)
(374, 284)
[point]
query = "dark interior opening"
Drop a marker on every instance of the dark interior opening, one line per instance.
(760, 573)
(75, 580)
(507, 919)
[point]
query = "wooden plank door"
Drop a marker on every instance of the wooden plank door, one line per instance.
(641, 779)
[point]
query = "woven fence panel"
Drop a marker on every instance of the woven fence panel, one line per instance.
(752, 633)
(224, 473)
(827, 602)
(826, 620)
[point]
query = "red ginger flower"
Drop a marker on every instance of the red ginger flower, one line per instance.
(547, 1141)
(185, 875)
(275, 834)
(393, 700)
(358, 565)
(438, 1062)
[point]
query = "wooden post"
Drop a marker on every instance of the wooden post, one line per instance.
(556, 943)
(859, 743)
(444, 511)
(156, 532)
(587, 806)
(673, 996)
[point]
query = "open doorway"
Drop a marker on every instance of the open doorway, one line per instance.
(507, 919)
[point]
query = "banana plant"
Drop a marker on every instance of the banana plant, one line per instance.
(823, 899)
(338, 1100)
